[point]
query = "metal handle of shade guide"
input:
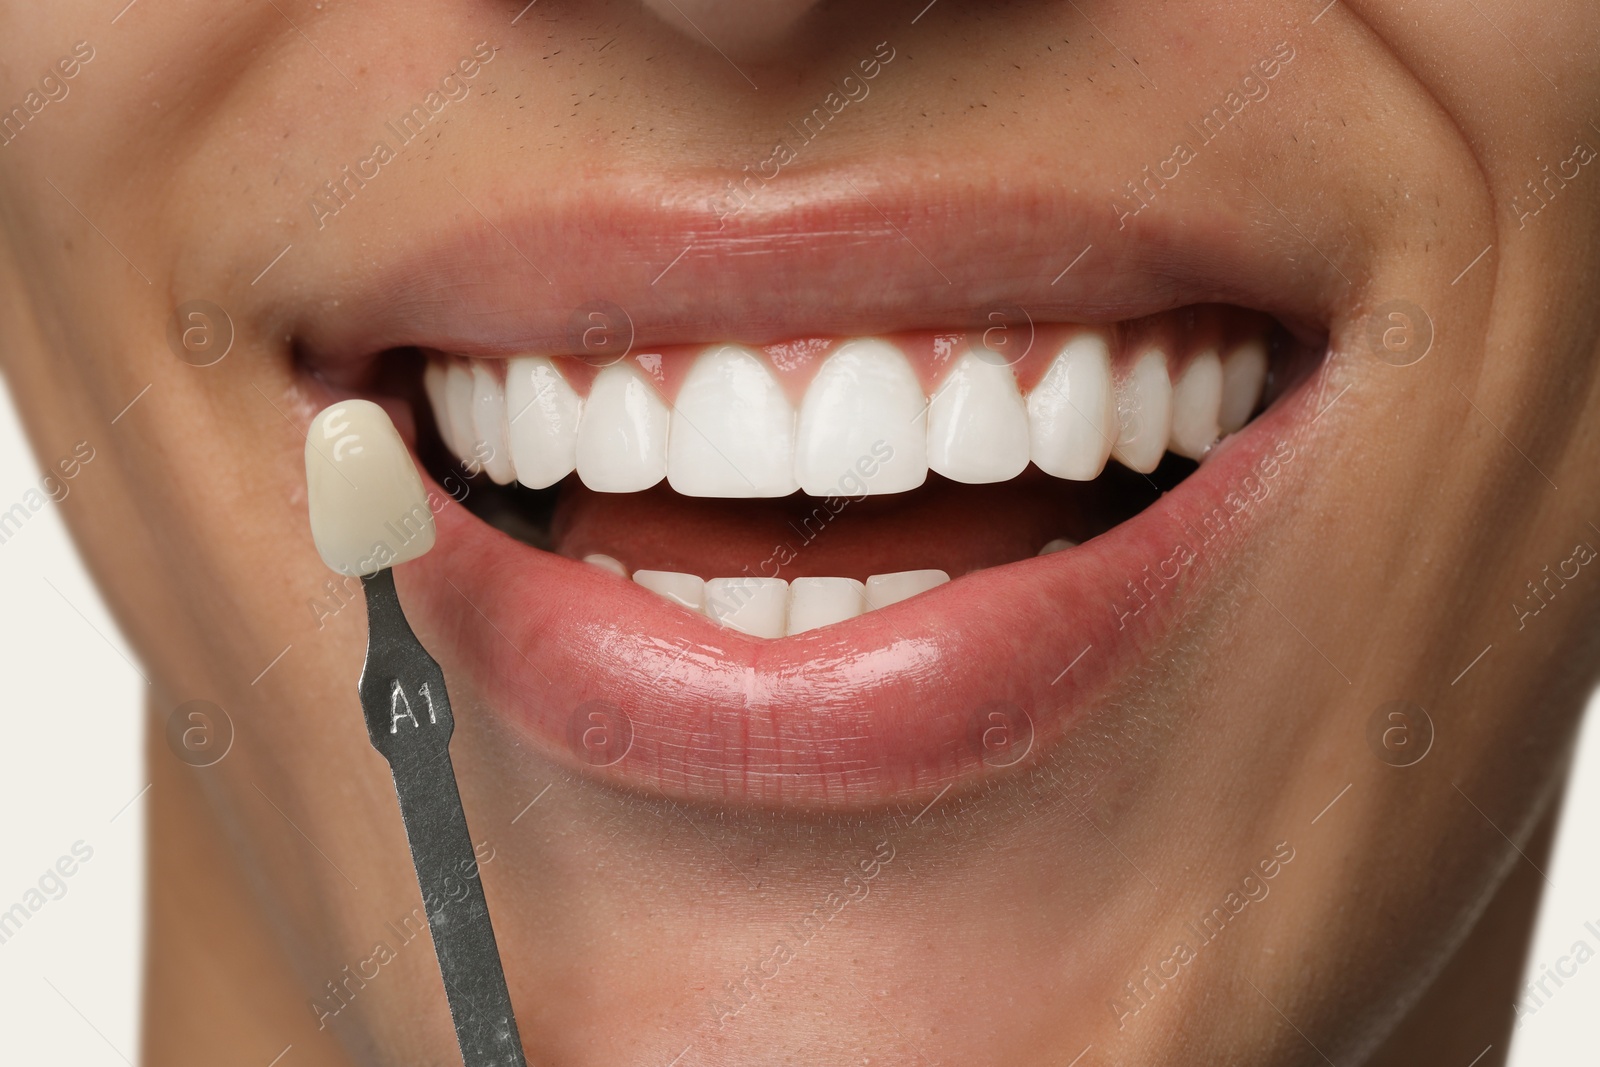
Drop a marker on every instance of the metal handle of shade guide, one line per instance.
(409, 721)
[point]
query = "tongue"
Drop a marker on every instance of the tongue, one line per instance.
(944, 525)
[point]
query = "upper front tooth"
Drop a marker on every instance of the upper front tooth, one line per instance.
(622, 438)
(1196, 403)
(732, 429)
(1144, 413)
(885, 589)
(544, 413)
(458, 393)
(1072, 414)
(863, 424)
(1244, 372)
(489, 424)
(755, 606)
(977, 424)
(434, 378)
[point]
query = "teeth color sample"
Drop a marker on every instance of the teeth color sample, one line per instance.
(977, 423)
(685, 589)
(815, 602)
(885, 589)
(1196, 406)
(863, 423)
(732, 429)
(458, 393)
(1244, 373)
(1144, 413)
(755, 606)
(622, 439)
(1060, 544)
(1072, 412)
(544, 412)
(607, 563)
(368, 508)
(489, 424)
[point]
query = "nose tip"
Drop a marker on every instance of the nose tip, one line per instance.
(741, 28)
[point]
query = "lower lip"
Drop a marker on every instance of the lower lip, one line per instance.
(978, 677)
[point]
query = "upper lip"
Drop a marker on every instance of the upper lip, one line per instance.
(510, 270)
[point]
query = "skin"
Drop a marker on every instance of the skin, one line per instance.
(1391, 553)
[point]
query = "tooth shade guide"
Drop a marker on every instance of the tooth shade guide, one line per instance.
(366, 502)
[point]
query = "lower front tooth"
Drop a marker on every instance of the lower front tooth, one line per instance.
(815, 602)
(1060, 544)
(622, 440)
(754, 606)
(607, 563)
(685, 589)
(489, 425)
(1144, 413)
(885, 589)
(1196, 403)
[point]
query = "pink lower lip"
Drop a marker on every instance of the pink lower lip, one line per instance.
(968, 680)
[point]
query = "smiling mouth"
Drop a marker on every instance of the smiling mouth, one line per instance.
(834, 571)
(783, 488)
(828, 534)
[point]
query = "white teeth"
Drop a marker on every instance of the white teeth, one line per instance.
(863, 428)
(885, 589)
(543, 411)
(368, 508)
(1244, 373)
(607, 563)
(1071, 412)
(754, 606)
(1196, 406)
(1144, 413)
(863, 424)
(1060, 544)
(685, 589)
(977, 424)
(489, 424)
(622, 439)
(732, 429)
(458, 393)
(434, 378)
(815, 602)
(772, 607)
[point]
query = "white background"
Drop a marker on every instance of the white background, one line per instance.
(71, 769)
